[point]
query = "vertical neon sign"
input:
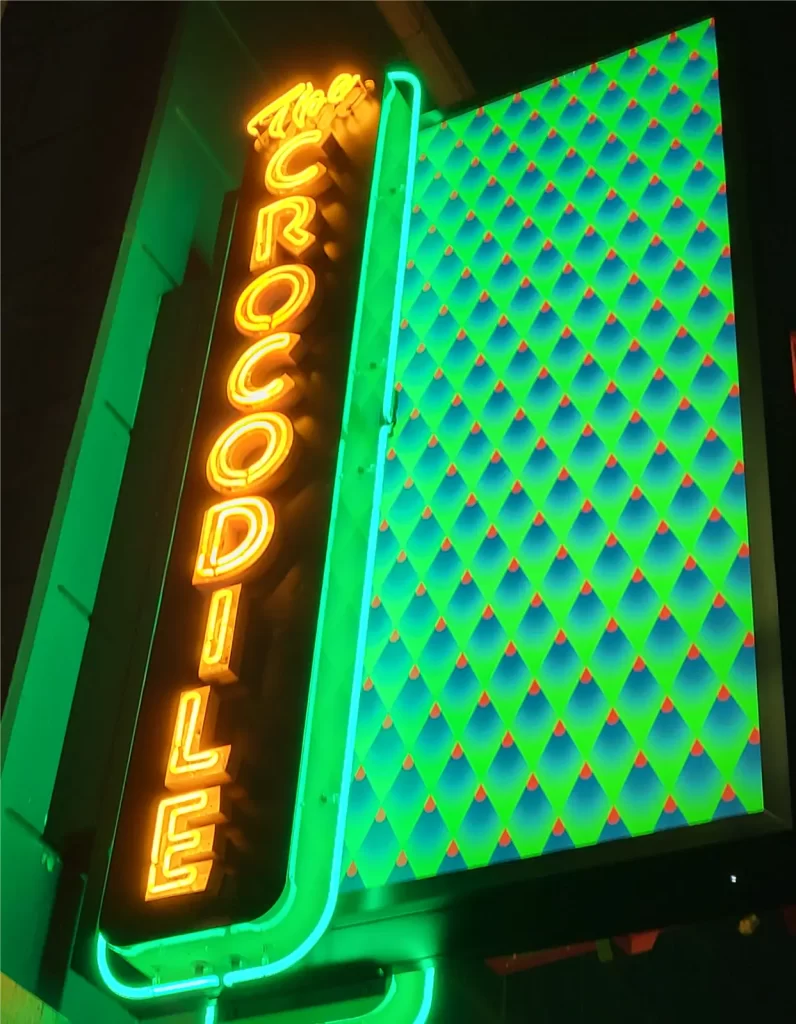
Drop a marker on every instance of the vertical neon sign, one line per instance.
(286, 634)
(247, 461)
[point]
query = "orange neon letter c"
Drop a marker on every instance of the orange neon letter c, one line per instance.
(310, 178)
(271, 351)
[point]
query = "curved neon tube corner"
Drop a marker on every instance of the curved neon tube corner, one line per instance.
(408, 1000)
(152, 991)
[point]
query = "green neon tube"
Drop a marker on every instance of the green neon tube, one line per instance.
(151, 991)
(408, 1001)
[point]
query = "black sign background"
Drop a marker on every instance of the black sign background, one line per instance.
(261, 715)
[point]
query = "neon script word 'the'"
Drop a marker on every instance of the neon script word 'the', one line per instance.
(304, 105)
(249, 458)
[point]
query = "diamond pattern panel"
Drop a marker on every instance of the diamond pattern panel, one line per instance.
(560, 646)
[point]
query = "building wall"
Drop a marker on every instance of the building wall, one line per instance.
(122, 136)
(79, 87)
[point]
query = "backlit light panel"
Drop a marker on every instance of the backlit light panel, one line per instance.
(560, 645)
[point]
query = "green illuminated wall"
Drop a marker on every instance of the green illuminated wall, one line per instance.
(560, 647)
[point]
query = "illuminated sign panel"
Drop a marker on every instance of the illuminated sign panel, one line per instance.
(560, 646)
(208, 808)
(533, 629)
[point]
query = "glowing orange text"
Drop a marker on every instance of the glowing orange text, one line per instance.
(292, 169)
(249, 458)
(235, 535)
(263, 356)
(303, 103)
(274, 299)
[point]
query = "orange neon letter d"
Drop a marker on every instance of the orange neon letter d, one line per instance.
(235, 535)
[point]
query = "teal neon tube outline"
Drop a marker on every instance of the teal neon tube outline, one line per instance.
(428, 997)
(392, 352)
(151, 991)
(267, 970)
(378, 160)
(398, 1000)
(242, 975)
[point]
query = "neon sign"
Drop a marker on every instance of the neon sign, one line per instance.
(239, 777)
(250, 457)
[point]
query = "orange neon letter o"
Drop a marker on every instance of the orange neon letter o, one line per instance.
(227, 469)
(297, 279)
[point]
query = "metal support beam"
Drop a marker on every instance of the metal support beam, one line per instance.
(428, 50)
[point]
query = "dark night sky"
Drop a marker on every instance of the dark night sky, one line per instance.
(506, 45)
